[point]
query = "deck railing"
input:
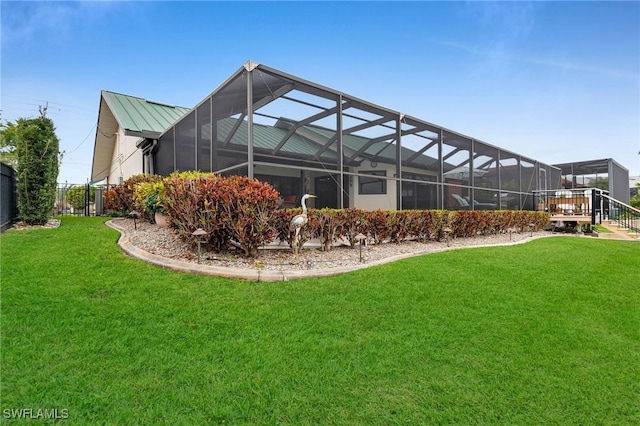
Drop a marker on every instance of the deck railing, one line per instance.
(571, 202)
(593, 202)
(624, 215)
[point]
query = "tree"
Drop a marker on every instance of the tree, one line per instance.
(76, 195)
(635, 201)
(600, 183)
(36, 147)
(8, 154)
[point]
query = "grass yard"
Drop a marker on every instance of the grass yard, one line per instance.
(600, 228)
(546, 332)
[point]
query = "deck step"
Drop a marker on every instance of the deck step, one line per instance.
(616, 232)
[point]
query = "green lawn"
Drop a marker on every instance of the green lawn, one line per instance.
(600, 228)
(546, 332)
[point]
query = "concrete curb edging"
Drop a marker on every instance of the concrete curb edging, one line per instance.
(270, 275)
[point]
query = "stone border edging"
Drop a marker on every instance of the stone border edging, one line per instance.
(269, 275)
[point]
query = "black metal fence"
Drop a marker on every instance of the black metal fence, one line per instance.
(8, 196)
(71, 199)
(79, 200)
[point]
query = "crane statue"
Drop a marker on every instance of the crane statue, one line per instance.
(298, 222)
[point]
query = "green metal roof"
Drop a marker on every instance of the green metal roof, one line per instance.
(136, 117)
(308, 141)
(141, 117)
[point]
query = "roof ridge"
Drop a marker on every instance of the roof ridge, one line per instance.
(145, 99)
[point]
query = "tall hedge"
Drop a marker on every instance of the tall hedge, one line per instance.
(37, 150)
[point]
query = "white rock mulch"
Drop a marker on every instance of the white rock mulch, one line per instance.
(166, 243)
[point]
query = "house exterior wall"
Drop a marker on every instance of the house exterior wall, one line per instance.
(126, 159)
(386, 201)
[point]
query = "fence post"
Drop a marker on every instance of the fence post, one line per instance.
(87, 199)
(593, 207)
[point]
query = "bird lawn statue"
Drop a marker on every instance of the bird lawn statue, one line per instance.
(298, 222)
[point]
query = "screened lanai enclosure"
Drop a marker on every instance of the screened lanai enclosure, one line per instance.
(606, 174)
(305, 138)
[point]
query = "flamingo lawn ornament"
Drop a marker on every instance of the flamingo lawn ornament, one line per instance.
(298, 222)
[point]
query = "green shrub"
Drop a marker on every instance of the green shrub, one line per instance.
(76, 196)
(148, 199)
(37, 169)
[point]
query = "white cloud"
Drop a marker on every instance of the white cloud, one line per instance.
(29, 22)
(509, 19)
(564, 65)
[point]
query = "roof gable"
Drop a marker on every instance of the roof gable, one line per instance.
(136, 117)
(141, 117)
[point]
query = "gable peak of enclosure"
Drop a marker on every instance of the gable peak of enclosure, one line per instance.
(303, 137)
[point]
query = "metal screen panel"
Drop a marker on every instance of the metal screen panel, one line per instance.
(185, 143)
(618, 182)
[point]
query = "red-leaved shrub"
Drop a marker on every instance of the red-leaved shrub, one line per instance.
(329, 227)
(234, 209)
(120, 198)
(378, 222)
(246, 206)
(353, 222)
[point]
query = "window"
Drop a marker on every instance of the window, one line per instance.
(372, 185)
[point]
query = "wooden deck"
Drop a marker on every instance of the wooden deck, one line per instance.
(580, 219)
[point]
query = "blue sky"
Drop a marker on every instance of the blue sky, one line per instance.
(554, 81)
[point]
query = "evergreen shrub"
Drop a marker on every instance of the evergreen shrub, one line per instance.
(76, 196)
(37, 169)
